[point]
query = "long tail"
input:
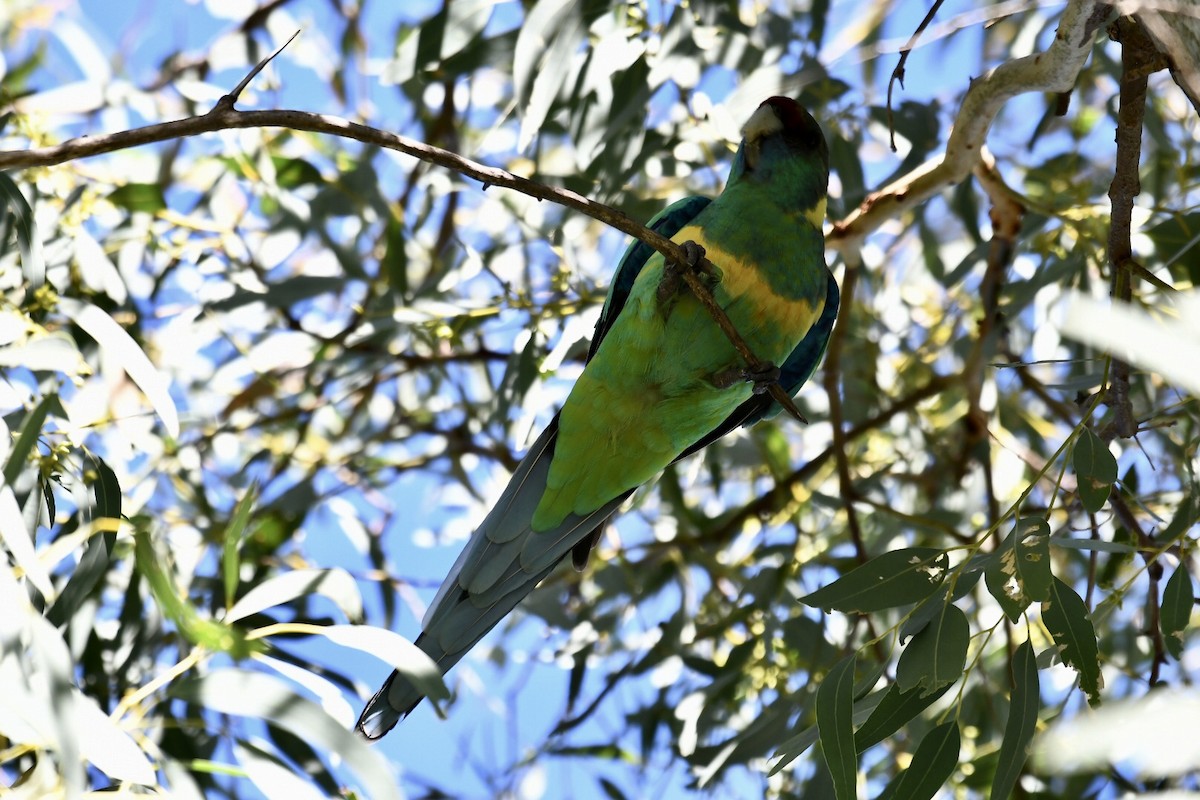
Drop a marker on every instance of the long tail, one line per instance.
(501, 564)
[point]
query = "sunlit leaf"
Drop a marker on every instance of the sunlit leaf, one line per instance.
(114, 340)
(16, 537)
(254, 694)
(890, 580)
(108, 748)
(273, 776)
(1166, 346)
(336, 584)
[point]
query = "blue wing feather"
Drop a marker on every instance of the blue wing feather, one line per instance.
(667, 222)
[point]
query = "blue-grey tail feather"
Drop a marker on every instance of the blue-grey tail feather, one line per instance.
(500, 565)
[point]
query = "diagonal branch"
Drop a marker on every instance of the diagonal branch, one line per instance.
(224, 116)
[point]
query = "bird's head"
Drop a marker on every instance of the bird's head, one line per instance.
(782, 145)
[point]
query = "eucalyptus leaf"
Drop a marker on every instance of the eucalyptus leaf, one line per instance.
(890, 580)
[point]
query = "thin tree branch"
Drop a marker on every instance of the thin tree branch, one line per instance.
(898, 72)
(1139, 58)
(833, 389)
(227, 102)
(1005, 215)
(1053, 70)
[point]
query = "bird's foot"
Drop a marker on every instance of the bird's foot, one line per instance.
(693, 261)
(763, 376)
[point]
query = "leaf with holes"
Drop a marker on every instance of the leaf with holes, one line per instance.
(1066, 617)
(1095, 470)
(1019, 572)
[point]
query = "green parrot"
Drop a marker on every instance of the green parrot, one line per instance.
(657, 383)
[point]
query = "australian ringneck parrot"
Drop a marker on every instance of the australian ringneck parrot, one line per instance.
(655, 387)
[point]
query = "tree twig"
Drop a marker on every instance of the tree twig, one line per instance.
(833, 388)
(898, 72)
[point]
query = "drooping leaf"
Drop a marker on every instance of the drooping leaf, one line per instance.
(932, 764)
(935, 657)
(394, 650)
(1022, 723)
(835, 707)
(15, 535)
(115, 340)
(97, 555)
(1066, 617)
(1019, 572)
(336, 584)
(272, 775)
(895, 710)
(33, 264)
(793, 748)
(283, 294)
(1176, 239)
(245, 693)
(109, 748)
(1095, 470)
(207, 633)
(233, 542)
(31, 429)
(552, 31)
(1176, 613)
